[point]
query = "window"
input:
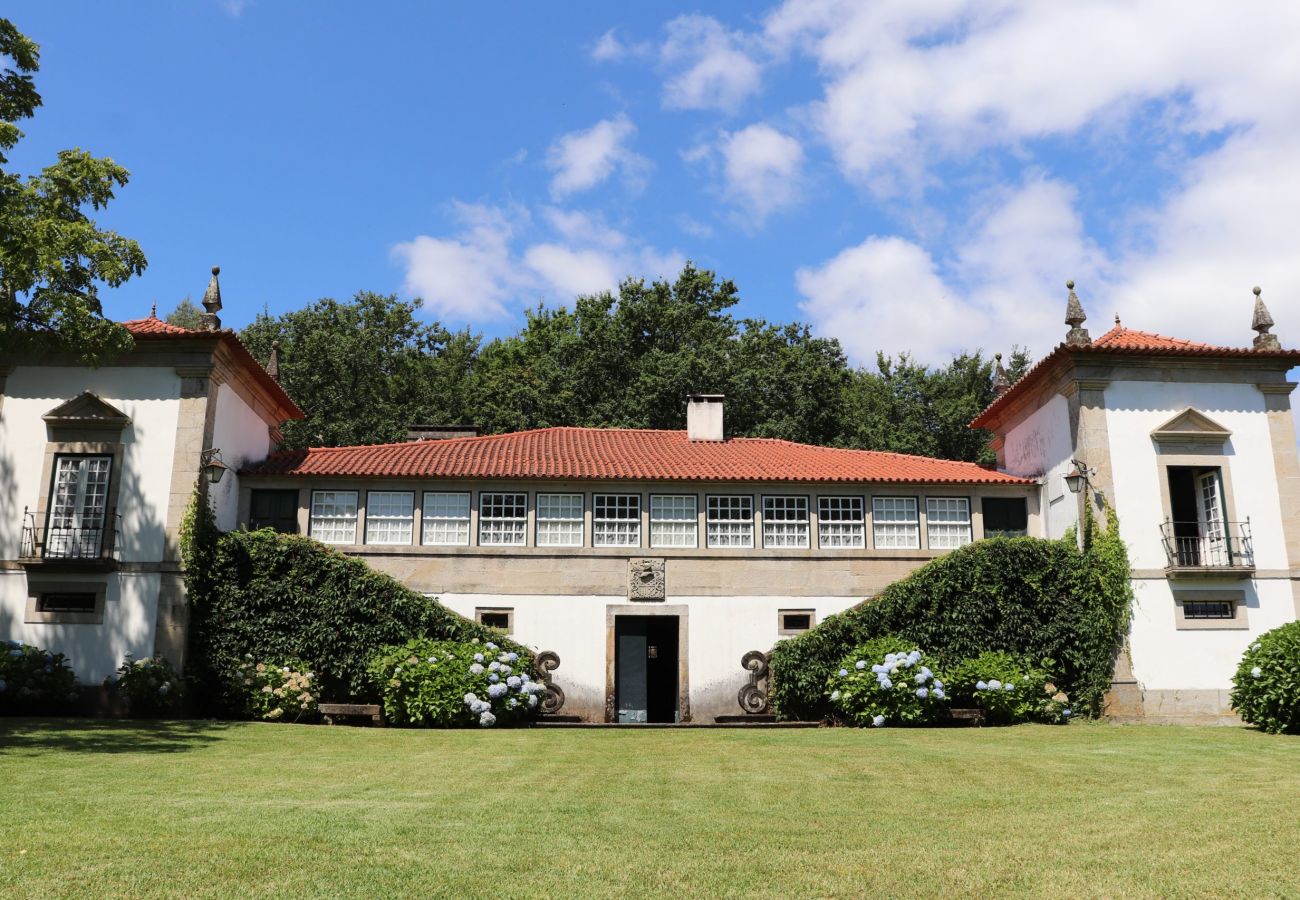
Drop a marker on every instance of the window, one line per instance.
(445, 519)
(785, 522)
(1208, 609)
(840, 523)
(895, 524)
(616, 520)
(730, 521)
(390, 517)
(559, 520)
(502, 520)
(496, 617)
(274, 509)
(67, 603)
(1005, 516)
(78, 511)
(674, 521)
(947, 522)
(334, 517)
(794, 621)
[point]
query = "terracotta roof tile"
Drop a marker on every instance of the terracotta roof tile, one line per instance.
(624, 454)
(152, 326)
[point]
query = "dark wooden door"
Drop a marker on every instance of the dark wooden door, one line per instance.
(645, 668)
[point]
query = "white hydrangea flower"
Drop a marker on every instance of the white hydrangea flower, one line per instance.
(878, 721)
(476, 669)
(487, 720)
(981, 686)
(490, 645)
(835, 695)
(1256, 672)
(995, 685)
(860, 665)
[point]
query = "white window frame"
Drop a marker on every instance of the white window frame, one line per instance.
(78, 511)
(386, 528)
(502, 530)
(785, 522)
(836, 528)
(731, 531)
(442, 524)
(947, 533)
(889, 533)
(559, 520)
(333, 527)
(673, 518)
(618, 530)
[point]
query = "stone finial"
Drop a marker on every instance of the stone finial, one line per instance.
(211, 303)
(153, 310)
(1077, 336)
(273, 364)
(1261, 323)
(1000, 380)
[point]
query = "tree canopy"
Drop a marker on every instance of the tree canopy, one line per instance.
(367, 369)
(187, 314)
(53, 256)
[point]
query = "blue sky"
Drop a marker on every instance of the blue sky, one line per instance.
(904, 176)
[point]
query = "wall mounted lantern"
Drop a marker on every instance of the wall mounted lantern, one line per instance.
(1078, 476)
(212, 464)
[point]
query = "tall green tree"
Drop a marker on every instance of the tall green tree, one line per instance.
(187, 314)
(53, 256)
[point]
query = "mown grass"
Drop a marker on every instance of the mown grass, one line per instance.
(100, 809)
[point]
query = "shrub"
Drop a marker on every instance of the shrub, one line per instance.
(278, 692)
(285, 597)
(34, 680)
(1007, 688)
(1036, 598)
(884, 683)
(150, 687)
(1266, 688)
(444, 683)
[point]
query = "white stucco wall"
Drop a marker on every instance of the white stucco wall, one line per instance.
(720, 630)
(1040, 447)
(242, 437)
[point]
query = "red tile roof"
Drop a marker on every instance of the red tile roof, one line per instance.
(153, 328)
(1129, 341)
(624, 454)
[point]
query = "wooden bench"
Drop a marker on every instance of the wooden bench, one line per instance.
(331, 712)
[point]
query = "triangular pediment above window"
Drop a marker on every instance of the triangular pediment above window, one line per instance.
(86, 409)
(1191, 426)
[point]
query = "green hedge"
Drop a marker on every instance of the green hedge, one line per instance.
(1044, 600)
(283, 597)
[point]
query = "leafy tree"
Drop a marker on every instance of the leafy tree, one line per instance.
(186, 314)
(52, 255)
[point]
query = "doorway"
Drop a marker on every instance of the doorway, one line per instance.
(1196, 504)
(645, 669)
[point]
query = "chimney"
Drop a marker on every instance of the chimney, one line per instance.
(704, 417)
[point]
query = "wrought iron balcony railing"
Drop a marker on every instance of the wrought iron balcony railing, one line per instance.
(1196, 545)
(53, 543)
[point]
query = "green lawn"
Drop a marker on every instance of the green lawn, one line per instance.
(202, 809)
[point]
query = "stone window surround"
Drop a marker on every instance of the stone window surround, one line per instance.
(56, 449)
(781, 628)
(682, 612)
(1198, 453)
(1238, 622)
(37, 585)
(508, 611)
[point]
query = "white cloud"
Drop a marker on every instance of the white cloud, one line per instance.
(710, 66)
(761, 167)
(233, 8)
(583, 159)
(610, 48)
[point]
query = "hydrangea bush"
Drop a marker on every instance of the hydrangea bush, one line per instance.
(274, 693)
(1008, 689)
(1266, 688)
(149, 687)
(448, 683)
(34, 680)
(886, 682)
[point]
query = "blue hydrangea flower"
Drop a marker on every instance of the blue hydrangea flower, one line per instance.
(1256, 672)
(885, 684)
(471, 697)
(1254, 646)
(505, 670)
(939, 694)
(1065, 713)
(513, 702)
(523, 676)
(995, 685)
(512, 656)
(490, 645)
(920, 678)
(860, 665)
(922, 693)
(532, 699)
(925, 670)
(981, 686)
(494, 678)
(877, 668)
(514, 681)
(1009, 686)
(878, 721)
(497, 690)
(494, 666)
(487, 720)
(938, 683)
(478, 657)
(844, 673)
(476, 669)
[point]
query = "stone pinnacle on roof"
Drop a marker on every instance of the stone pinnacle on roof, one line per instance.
(273, 364)
(153, 310)
(212, 303)
(1075, 317)
(1000, 380)
(1261, 323)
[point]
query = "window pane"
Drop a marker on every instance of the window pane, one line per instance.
(502, 519)
(841, 523)
(1005, 516)
(895, 522)
(785, 522)
(79, 506)
(1208, 609)
(390, 517)
(730, 521)
(616, 520)
(445, 521)
(673, 521)
(334, 516)
(559, 520)
(947, 522)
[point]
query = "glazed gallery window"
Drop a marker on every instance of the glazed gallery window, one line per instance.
(502, 520)
(947, 522)
(616, 520)
(444, 521)
(559, 520)
(895, 523)
(841, 523)
(390, 517)
(785, 522)
(334, 517)
(674, 521)
(730, 521)
(78, 507)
